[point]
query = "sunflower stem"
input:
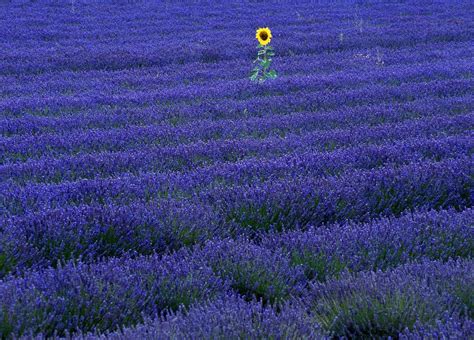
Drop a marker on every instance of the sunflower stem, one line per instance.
(265, 58)
(261, 72)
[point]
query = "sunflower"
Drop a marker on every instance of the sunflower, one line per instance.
(264, 35)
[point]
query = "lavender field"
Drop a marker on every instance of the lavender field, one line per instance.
(150, 190)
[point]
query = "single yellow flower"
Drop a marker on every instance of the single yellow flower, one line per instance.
(264, 35)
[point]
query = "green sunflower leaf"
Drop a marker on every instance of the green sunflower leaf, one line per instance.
(272, 74)
(265, 63)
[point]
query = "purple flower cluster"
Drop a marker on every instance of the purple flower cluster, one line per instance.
(229, 317)
(75, 295)
(149, 190)
(373, 304)
(105, 295)
(378, 304)
(326, 252)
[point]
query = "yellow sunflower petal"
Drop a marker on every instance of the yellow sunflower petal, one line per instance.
(264, 35)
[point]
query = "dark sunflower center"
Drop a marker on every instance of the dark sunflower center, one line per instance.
(263, 35)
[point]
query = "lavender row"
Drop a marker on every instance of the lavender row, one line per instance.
(370, 307)
(242, 89)
(35, 125)
(377, 304)
(326, 252)
(89, 232)
(399, 72)
(205, 130)
(138, 54)
(232, 318)
(48, 237)
(448, 26)
(360, 195)
(211, 161)
(228, 317)
(70, 105)
(211, 14)
(398, 299)
(16, 199)
(22, 148)
(396, 29)
(325, 10)
(103, 296)
(44, 238)
(199, 74)
(450, 328)
(302, 101)
(92, 29)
